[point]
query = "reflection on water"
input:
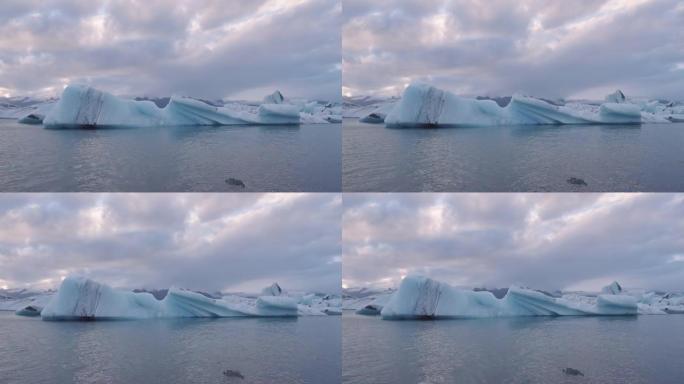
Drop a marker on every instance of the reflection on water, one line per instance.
(645, 157)
(304, 350)
(630, 349)
(265, 158)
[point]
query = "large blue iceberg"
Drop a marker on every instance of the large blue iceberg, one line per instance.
(424, 105)
(80, 298)
(420, 297)
(86, 106)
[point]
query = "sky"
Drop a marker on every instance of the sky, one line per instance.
(545, 48)
(238, 49)
(228, 242)
(580, 241)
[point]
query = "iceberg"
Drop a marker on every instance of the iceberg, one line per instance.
(420, 297)
(274, 98)
(616, 97)
(272, 290)
(88, 107)
(613, 288)
(80, 298)
(425, 105)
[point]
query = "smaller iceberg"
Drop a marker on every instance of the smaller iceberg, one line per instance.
(616, 97)
(613, 288)
(272, 290)
(274, 98)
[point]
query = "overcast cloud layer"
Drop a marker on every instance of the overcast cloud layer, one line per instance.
(546, 48)
(203, 48)
(546, 241)
(230, 242)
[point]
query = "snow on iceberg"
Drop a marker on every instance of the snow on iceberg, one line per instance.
(86, 106)
(425, 105)
(423, 298)
(80, 298)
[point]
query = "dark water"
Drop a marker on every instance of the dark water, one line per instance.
(644, 349)
(648, 157)
(303, 350)
(173, 159)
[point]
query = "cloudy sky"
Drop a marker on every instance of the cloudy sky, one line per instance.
(230, 242)
(241, 49)
(546, 241)
(546, 48)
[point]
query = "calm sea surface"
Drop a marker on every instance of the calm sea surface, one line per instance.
(170, 159)
(302, 350)
(648, 157)
(644, 349)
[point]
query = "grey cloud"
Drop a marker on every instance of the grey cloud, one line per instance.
(539, 47)
(198, 241)
(210, 49)
(549, 241)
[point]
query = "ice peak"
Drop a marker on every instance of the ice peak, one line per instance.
(616, 97)
(613, 288)
(272, 290)
(274, 98)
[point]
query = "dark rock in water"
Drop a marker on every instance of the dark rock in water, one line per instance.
(235, 182)
(576, 181)
(572, 372)
(231, 373)
(33, 118)
(30, 311)
(373, 118)
(370, 310)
